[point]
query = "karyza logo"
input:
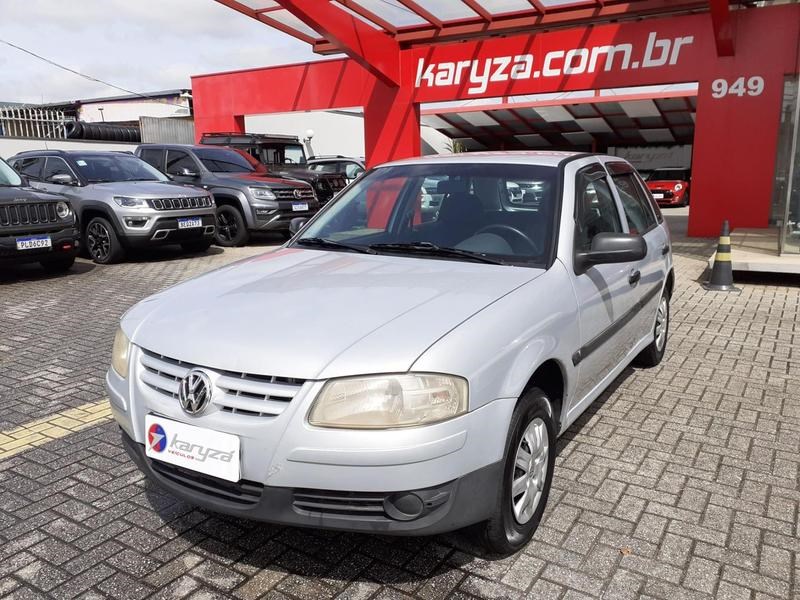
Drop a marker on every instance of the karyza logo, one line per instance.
(197, 452)
(481, 72)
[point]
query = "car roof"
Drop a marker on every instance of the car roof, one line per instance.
(72, 152)
(524, 157)
(184, 146)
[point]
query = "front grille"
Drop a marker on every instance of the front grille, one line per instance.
(181, 203)
(245, 493)
(235, 393)
(28, 213)
(365, 505)
(284, 194)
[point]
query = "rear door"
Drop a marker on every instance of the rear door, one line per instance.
(641, 219)
(153, 156)
(605, 294)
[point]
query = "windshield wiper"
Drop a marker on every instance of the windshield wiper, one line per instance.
(434, 250)
(315, 242)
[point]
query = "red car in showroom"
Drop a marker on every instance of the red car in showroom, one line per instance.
(670, 186)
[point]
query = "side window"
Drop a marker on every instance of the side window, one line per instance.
(153, 156)
(638, 212)
(30, 167)
(55, 166)
(177, 161)
(649, 196)
(596, 211)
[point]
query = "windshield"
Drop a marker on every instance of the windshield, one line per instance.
(106, 168)
(669, 175)
(8, 176)
(502, 211)
(228, 160)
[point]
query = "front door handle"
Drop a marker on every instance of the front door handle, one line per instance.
(634, 277)
(665, 250)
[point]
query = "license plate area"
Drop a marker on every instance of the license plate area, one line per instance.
(34, 242)
(195, 448)
(299, 206)
(658, 196)
(190, 222)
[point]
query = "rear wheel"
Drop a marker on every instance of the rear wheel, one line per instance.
(231, 228)
(652, 355)
(527, 476)
(61, 264)
(102, 242)
(196, 246)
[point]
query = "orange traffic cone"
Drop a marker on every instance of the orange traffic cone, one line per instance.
(721, 279)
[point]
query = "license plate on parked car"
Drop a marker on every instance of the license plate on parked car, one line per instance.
(34, 242)
(299, 206)
(197, 448)
(190, 222)
(658, 196)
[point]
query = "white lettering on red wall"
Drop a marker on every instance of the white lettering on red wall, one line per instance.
(575, 61)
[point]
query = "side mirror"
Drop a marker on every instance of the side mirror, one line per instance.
(611, 248)
(186, 172)
(62, 179)
(296, 224)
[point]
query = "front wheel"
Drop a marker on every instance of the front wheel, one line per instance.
(231, 228)
(527, 476)
(652, 355)
(102, 242)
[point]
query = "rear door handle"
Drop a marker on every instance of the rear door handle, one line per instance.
(634, 277)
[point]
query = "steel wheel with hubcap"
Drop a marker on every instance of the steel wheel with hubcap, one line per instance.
(528, 465)
(652, 355)
(102, 242)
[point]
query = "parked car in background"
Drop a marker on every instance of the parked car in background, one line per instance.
(283, 156)
(122, 202)
(350, 168)
(670, 186)
(248, 197)
(35, 226)
(387, 374)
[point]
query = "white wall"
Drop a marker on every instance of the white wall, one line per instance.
(131, 110)
(11, 146)
(335, 132)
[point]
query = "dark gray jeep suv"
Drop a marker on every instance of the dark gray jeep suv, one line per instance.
(248, 197)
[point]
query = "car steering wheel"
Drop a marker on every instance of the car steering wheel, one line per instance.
(517, 235)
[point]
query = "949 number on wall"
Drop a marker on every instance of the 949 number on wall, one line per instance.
(753, 86)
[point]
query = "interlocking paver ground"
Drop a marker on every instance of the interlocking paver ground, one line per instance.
(679, 482)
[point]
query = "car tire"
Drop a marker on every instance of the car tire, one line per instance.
(231, 228)
(652, 355)
(61, 264)
(685, 199)
(514, 521)
(196, 246)
(102, 242)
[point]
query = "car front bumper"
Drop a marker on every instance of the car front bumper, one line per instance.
(294, 473)
(65, 243)
(165, 230)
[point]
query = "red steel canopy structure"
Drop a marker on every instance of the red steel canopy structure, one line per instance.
(405, 53)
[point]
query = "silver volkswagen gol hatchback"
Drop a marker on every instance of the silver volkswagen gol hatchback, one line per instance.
(406, 362)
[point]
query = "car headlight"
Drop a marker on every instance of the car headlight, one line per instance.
(62, 210)
(128, 202)
(120, 354)
(389, 401)
(678, 187)
(262, 193)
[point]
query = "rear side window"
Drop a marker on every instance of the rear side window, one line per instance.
(637, 207)
(153, 156)
(596, 210)
(177, 161)
(30, 167)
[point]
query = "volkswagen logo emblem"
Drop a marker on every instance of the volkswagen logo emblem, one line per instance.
(298, 193)
(194, 392)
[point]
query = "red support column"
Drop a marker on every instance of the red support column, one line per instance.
(391, 125)
(216, 124)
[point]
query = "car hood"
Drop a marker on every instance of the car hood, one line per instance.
(313, 314)
(19, 193)
(665, 183)
(258, 178)
(147, 189)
